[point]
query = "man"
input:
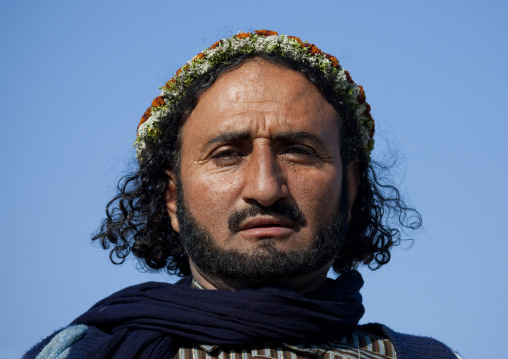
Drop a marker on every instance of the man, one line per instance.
(254, 180)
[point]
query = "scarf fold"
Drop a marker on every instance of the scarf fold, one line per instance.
(146, 320)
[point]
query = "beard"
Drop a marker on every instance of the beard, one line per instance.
(265, 263)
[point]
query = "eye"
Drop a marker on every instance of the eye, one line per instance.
(299, 154)
(227, 156)
(299, 150)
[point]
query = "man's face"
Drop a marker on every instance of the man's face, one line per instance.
(260, 175)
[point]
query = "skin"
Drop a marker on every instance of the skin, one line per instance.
(261, 133)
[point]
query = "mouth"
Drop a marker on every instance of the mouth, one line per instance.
(268, 226)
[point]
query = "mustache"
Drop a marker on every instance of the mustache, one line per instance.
(283, 209)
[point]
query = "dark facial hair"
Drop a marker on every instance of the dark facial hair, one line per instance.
(265, 263)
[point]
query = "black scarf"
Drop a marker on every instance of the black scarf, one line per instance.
(148, 320)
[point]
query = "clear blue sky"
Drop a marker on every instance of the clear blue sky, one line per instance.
(77, 76)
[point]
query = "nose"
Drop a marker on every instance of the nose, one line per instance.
(264, 178)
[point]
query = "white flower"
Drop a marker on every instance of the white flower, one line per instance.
(143, 129)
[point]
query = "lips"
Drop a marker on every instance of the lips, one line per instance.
(267, 226)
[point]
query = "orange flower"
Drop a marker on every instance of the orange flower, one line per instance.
(265, 32)
(313, 49)
(348, 77)
(199, 56)
(158, 101)
(216, 44)
(333, 60)
(145, 116)
(297, 39)
(242, 35)
(178, 71)
(167, 86)
(361, 95)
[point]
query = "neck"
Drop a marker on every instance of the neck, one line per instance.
(303, 284)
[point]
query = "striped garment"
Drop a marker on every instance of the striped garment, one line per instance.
(356, 345)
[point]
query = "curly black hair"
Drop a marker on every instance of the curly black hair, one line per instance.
(137, 219)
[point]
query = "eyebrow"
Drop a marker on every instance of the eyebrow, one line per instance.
(288, 136)
(293, 136)
(229, 137)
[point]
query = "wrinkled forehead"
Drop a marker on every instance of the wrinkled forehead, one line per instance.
(263, 99)
(260, 85)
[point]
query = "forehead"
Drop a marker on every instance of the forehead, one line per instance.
(262, 98)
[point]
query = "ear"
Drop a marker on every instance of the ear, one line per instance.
(352, 181)
(171, 200)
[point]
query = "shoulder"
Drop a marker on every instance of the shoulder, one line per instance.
(411, 346)
(70, 342)
(57, 345)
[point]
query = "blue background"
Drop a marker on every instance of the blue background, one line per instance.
(75, 77)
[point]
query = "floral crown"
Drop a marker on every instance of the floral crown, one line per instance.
(257, 42)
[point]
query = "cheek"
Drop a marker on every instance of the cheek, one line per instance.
(317, 196)
(210, 198)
